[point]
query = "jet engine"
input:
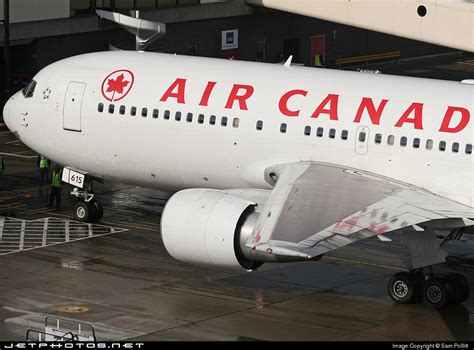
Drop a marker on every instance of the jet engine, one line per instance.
(210, 227)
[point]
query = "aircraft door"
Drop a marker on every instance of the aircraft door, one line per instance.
(362, 140)
(73, 106)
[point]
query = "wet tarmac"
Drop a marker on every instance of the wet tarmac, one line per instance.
(130, 288)
(122, 282)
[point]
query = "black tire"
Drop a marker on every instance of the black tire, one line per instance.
(83, 212)
(418, 278)
(466, 287)
(401, 288)
(99, 210)
(458, 288)
(435, 293)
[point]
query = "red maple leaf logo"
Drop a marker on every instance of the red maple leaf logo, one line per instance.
(117, 85)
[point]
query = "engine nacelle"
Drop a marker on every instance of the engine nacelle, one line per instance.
(203, 226)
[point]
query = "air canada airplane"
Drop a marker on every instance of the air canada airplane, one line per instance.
(267, 163)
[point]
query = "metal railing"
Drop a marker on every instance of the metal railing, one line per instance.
(43, 336)
(73, 331)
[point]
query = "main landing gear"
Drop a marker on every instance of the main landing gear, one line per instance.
(420, 284)
(88, 208)
(435, 291)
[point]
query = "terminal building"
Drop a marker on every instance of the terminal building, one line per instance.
(42, 32)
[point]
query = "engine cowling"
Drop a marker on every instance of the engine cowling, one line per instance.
(203, 226)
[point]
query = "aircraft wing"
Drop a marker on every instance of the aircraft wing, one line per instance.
(315, 208)
(442, 22)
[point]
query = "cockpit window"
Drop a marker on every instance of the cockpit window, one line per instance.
(29, 89)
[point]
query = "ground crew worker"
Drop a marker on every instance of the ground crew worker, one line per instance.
(55, 187)
(317, 61)
(43, 165)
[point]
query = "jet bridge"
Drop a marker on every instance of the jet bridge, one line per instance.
(146, 32)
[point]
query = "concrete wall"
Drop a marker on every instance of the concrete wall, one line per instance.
(36, 10)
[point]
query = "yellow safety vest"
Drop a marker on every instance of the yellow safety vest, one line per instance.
(317, 61)
(56, 180)
(43, 162)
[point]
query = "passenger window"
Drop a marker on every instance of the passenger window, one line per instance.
(319, 132)
(177, 116)
(133, 111)
(155, 113)
(111, 108)
(283, 127)
(429, 144)
(442, 146)
(332, 133)
(362, 136)
(455, 147)
(212, 120)
(307, 130)
(235, 123)
(144, 112)
(201, 118)
(189, 117)
(403, 141)
(378, 138)
(224, 121)
(344, 134)
(167, 115)
(391, 140)
(416, 142)
(122, 110)
(259, 125)
(468, 148)
(100, 107)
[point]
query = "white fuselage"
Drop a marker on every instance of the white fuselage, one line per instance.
(172, 155)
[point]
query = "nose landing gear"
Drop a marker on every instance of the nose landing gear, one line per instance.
(88, 209)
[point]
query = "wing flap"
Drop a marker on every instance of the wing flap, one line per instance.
(317, 208)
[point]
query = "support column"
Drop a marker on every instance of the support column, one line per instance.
(93, 5)
(6, 47)
(136, 14)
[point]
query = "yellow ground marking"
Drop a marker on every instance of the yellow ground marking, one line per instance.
(12, 206)
(363, 263)
(73, 309)
(113, 223)
(53, 213)
(147, 223)
(16, 203)
(37, 211)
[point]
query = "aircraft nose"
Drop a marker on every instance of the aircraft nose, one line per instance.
(6, 113)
